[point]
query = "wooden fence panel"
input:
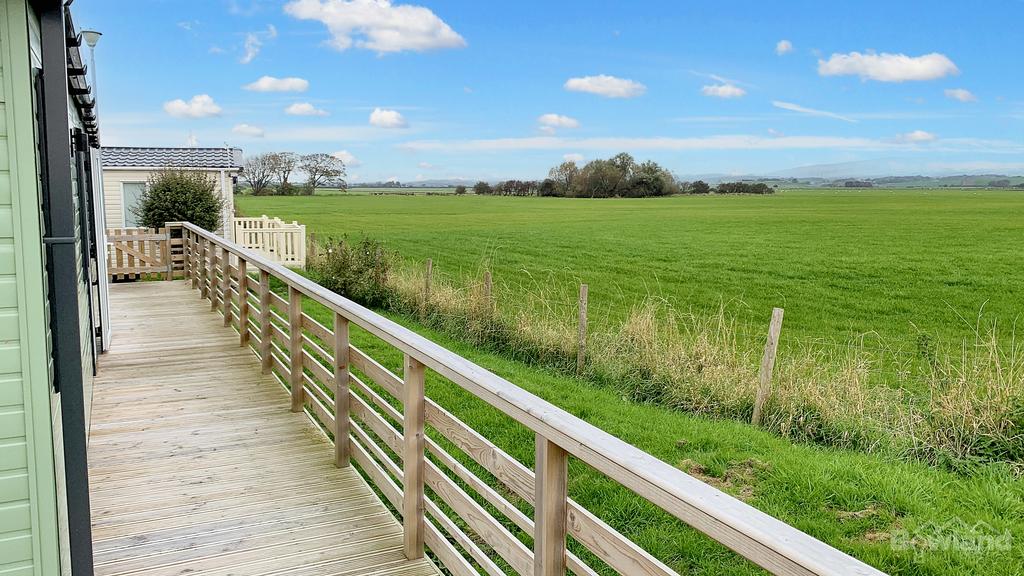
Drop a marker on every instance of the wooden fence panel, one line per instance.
(140, 253)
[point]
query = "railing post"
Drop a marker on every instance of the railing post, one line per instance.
(550, 494)
(295, 346)
(265, 321)
(213, 277)
(412, 459)
(243, 303)
(204, 273)
(190, 255)
(167, 253)
(342, 448)
(225, 267)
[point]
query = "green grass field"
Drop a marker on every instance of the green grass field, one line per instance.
(890, 264)
(841, 263)
(383, 191)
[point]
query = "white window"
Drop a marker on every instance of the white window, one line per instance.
(130, 194)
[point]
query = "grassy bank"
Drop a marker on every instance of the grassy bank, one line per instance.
(901, 517)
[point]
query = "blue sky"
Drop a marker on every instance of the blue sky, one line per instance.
(468, 89)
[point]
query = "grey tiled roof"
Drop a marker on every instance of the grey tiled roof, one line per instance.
(171, 157)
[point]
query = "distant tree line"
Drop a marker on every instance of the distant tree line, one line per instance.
(617, 177)
(270, 174)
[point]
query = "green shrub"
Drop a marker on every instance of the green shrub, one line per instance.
(357, 270)
(179, 196)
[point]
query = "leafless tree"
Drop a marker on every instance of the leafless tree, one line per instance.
(321, 169)
(283, 164)
(258, 171)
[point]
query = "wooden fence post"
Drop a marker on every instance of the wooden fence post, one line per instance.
(378, 261)
(214, 280)
(488, 291)
(190, 254)
(550, 494)
(342, 448)
(581, 350)
(312, 250)
(243, 303)
(412, 459)
(295, 346)
(426, 287)
(225, 285)
(764, 384)
(204, 273)
(169, 275)
(265, 321)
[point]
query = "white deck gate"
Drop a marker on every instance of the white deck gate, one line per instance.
(281, 241)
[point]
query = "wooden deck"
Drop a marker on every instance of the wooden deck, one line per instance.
(198, 467)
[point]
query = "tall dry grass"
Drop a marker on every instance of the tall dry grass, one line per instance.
(972, 410)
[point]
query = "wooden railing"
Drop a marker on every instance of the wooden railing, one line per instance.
(378, 420)
(280, 241)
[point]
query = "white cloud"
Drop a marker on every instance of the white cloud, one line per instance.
(607, 86)
(783, 47)
(716, 142)
(916, 137)
(960, 94)
(886, 67)
(723, 90)
(558, 121)
(722, 142)
(377, 25)
(216, 49)
(304, 109)
(573, 157)
(200, 106)
(254, 43)
(191, 141)
(426, 165)
(382, 118)
(347, 157)
(248, 130)
(810, 111)
(272, 84)
(251, 47)
(549, 130)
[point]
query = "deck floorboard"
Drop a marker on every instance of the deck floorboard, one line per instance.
(197, 466)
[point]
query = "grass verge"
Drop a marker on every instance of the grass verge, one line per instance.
(903, 518)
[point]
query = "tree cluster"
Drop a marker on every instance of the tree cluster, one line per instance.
(270, 174)
(744, 188)
(618, 177)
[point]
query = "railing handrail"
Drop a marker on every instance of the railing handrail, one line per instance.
(755, 535)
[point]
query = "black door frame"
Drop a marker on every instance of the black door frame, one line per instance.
(62, 267)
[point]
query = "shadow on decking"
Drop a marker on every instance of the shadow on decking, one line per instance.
(197, 465)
